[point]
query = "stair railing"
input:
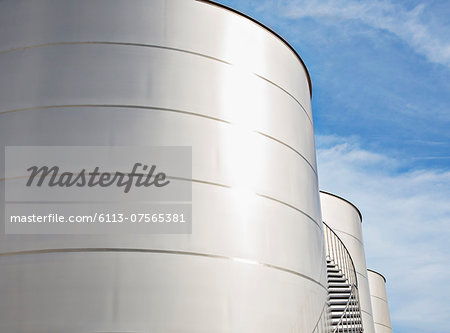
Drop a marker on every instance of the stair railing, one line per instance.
(323, 324)
(350, 321)
(338, 253)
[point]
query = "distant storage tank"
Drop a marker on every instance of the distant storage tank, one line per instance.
(380, 306)
(166, 72)
(345, 220)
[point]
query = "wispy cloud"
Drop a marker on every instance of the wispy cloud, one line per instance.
(406, 227)
(407, 24)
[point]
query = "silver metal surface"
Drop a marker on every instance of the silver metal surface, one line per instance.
(345, 220)
(166, 72)
(380, 306)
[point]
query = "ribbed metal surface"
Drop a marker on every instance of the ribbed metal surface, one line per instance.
(380, 306)
(174, 72)
(345, 220)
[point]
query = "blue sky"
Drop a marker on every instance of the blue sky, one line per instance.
(381, 104)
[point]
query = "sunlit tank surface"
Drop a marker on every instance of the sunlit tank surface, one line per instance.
(345, 220)
(380, 306)
(166, 72)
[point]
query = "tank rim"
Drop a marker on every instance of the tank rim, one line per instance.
(378, 273)
(308, 76)
(343, 199)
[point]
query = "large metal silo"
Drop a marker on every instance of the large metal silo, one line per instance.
(380, 306)
(166, 73)
(345, 220)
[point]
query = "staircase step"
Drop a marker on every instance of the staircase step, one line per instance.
(334, 271)
(339, 290)
(350, 321)
(350, 326)
(338, 284)
(355, 329)
(336, 279)
(341, 307)
(350, 314)
(340, 296)
(354, 314)
(338, 301)
(335, 276)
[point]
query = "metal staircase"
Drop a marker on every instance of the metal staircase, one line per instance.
(345, 313)
(342, 286)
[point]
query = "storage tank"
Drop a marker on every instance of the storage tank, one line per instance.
(166, 73)
(345, 220)
(380, 306)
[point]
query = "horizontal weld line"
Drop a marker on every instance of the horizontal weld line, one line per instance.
(382, 325)
(203, 182)
(288, 146)
(257, 194)
(174, 252)
(335, 229)
(129, 106)
(288, 93)
(117, 44)
(12, 178)
(379, 298)
(78, 173)
(160, 109)
(105, 172)
(290, 206)
(158, 47)
(368, 313)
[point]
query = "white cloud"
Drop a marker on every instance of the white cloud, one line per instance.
(406, 227)
(408, 25)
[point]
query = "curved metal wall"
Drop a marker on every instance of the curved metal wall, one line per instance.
(380, 306)
(345, 220)
(174, 72)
